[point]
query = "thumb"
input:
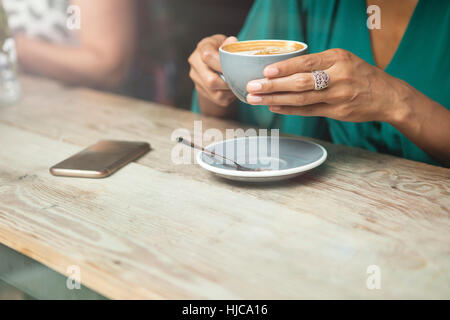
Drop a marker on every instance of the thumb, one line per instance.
(230, 40)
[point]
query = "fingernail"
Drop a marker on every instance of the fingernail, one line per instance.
(254, 99)
(271, 71)
(254, 86)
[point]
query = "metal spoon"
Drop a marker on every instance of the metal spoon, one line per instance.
(213, 154)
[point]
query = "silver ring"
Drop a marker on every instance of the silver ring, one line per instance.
(321, 79)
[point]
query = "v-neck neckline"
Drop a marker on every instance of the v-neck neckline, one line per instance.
(403, 40)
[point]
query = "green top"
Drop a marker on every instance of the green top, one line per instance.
(421, 60)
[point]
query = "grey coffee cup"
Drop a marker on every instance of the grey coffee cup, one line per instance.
(241, 68)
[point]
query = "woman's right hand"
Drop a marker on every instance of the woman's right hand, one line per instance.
(205, 65)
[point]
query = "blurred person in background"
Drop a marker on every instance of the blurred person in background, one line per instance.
(98, 53)
(140, 44)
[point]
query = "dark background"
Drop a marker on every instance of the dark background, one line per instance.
(168, 32)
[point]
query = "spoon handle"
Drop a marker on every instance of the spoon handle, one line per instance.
(193, 145)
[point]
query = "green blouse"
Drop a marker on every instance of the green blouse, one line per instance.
(421, 60)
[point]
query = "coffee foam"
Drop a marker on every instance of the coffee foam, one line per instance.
(263, 47)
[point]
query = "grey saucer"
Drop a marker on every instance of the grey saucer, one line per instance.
(294, 157)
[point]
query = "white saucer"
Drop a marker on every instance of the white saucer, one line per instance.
(294, 158)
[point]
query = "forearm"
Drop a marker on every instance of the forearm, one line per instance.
(425, 122)
(209, 108)
(73, 65)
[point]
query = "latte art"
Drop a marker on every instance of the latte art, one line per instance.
(270, 50)
(259, 48)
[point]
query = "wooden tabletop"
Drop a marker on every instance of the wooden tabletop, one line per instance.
(163, 231)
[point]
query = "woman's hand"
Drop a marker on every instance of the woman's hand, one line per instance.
(205, 65)
(357, 91)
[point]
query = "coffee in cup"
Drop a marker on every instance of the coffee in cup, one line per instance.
(263, 47)
(245, 61)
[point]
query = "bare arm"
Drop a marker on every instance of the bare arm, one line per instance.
(209, 108)
(105, 51)
(424, 122)
(358, 92)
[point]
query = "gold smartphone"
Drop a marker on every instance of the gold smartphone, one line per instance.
(101, 159)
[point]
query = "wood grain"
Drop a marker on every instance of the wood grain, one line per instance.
(162, 231)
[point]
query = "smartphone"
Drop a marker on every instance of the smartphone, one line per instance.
(101, 159)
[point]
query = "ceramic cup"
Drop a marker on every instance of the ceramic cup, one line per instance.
(240, 66)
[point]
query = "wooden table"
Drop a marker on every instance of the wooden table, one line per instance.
(163, 231)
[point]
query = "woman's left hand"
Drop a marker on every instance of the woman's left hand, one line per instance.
(357, 91)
